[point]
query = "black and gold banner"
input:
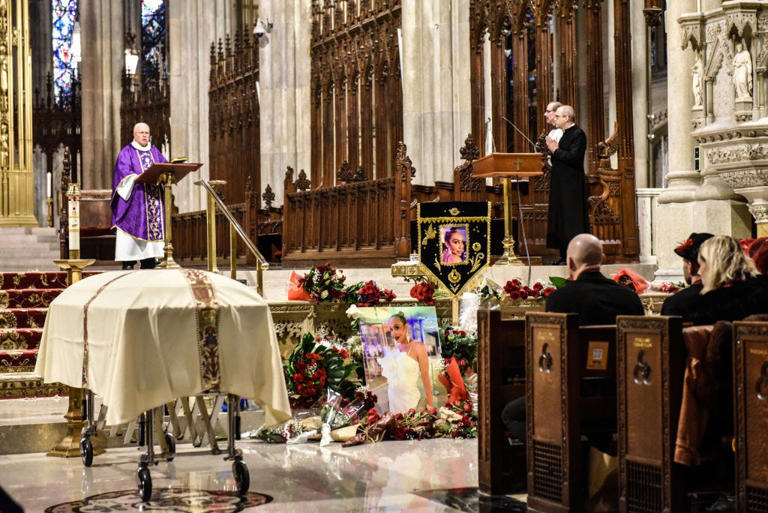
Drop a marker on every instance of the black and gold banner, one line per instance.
(454, 240)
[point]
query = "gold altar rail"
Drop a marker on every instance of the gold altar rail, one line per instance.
(235, 230)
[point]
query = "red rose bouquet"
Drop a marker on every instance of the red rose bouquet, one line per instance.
(424, 292)
(323, 283)
(516, 291)
(368, 294)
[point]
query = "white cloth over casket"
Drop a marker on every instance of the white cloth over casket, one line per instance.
(143, 342)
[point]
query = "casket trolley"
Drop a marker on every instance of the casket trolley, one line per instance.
(141, 339)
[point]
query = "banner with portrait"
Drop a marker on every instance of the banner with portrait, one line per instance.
(454, 241)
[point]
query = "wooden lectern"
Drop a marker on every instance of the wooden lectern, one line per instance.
(508, 166)
(167, 174)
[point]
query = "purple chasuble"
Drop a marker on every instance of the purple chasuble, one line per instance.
(142, 216)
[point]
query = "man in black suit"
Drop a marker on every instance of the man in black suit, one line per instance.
(688, 299)
(567, 214)
(594, 297)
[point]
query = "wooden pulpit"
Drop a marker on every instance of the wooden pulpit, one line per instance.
(508, 166)
(167, 173)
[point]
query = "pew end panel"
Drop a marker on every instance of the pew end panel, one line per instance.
(501, 379)
(750, 361)
(650, 369)
(554, 481)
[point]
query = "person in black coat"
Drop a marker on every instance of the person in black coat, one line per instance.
(594, 297)
(689, 298)
(567, 216)
(732, 286)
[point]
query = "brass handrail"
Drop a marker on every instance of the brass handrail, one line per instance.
(235, 230)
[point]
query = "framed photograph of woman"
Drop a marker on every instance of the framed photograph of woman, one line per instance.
(401, 348)
(454, 244)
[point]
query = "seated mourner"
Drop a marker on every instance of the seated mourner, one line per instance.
(732, 287)
(688, 298)
(594, 297)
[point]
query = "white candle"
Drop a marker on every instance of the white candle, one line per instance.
(74, 223)
(48, 184)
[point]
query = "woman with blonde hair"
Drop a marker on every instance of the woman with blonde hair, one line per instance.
(732, 286)
(722, 262)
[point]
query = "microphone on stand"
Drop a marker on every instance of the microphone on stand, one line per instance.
(521, 133)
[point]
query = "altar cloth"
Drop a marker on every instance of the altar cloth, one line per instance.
(147, 338)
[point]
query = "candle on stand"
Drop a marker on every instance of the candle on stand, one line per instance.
(73, 210)
(48, 184)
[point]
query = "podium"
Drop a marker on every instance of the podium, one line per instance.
(167, 173)
(508, 166)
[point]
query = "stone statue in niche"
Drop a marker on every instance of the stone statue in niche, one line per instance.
(697, 76)
(742, 74)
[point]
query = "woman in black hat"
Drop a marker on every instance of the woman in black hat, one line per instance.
(689, 298)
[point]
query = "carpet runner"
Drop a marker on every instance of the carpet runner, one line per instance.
(24, 300)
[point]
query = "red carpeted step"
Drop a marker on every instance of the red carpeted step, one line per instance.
(18, 361)
(34, 280)
(20, 339)
(22, 318)
(28, 298)
(37, 280)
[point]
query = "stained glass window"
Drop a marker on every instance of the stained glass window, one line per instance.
(152, 37)
(65, 57)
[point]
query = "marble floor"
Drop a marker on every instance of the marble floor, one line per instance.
(427, 476)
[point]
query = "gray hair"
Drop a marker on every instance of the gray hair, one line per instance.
(568, 111)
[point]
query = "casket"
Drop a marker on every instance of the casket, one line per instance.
(140, 339)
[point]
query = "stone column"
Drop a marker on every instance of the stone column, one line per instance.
(675, 212)
(646, 214)
(190, 34)
(284, 81)
(101, 29)
(436, 85)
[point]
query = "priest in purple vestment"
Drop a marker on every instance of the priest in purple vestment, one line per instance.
(137, 209)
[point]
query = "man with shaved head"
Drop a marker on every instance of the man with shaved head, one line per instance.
(137, 209)
(588, 293)
(567, 214)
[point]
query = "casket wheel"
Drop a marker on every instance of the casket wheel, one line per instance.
(242, 479)
(144, 481)
(170, 441)
(86, 451)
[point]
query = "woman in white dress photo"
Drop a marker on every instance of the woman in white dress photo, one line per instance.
(402, 367)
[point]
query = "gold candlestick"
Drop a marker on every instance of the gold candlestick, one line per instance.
(69, 446)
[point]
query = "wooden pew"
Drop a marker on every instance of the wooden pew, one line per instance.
(501, 378)
(570, 392)
(650, 369)
(750, 362)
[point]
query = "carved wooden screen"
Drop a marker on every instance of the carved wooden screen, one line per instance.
(357, 103)
(524, 29)
(146, 100)
(233, 116)
(57, 122)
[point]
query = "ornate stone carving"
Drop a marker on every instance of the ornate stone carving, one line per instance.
(747, 178)
(742, 74)
(692, 33)
(740, 153)
(759, 212)
(739, 20)
(697, 81)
